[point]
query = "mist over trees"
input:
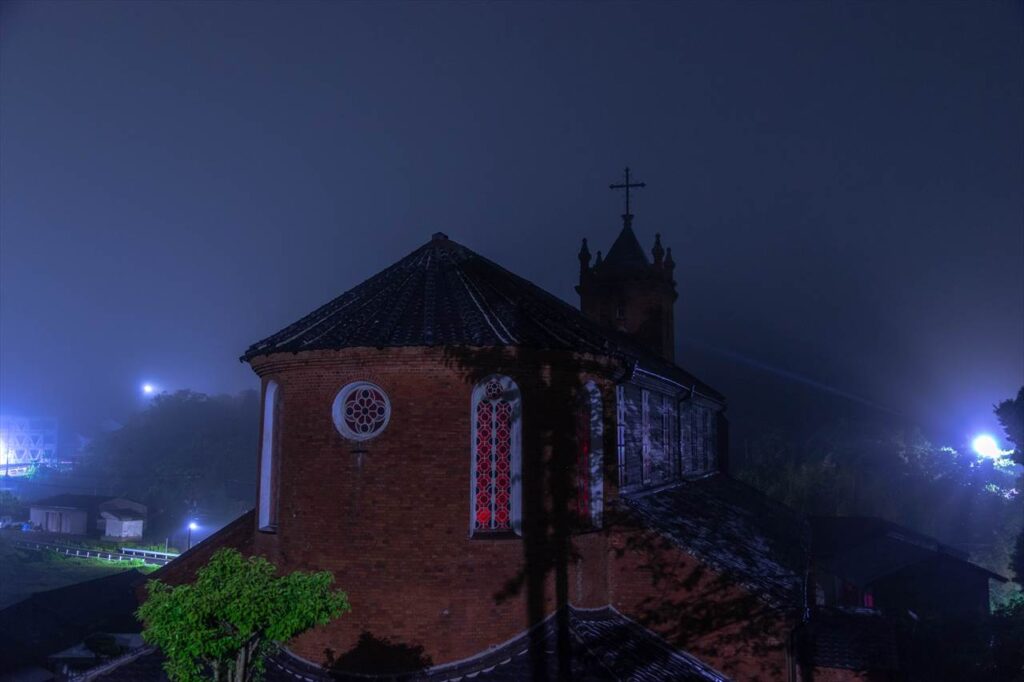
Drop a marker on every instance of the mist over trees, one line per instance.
(187, 456)
(853, 468)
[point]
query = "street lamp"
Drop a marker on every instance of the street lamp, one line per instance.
(191, 527)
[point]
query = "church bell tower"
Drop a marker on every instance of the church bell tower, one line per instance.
(626, 291)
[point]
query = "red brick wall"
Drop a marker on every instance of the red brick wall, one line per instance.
(390, 516)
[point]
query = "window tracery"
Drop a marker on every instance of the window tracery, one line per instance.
(361, 411)
(496, 457)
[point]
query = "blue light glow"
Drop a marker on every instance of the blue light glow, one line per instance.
(986, 446)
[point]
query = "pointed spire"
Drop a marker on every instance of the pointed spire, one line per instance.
(658, 252)
(669, 264)
(600, 259)
(584, 254)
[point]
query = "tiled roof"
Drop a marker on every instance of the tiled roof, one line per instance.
(863, 549)
(444, 294)
(734, 528)
(53, 620)
(604, 645)
(850, 639)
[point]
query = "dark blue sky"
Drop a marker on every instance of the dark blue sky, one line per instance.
(841, 183)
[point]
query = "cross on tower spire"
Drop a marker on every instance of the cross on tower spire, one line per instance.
(627, 217)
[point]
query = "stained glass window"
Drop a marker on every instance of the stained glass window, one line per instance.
(583, 459)
(620, 433)
(645, 432)
(589, 455)
(496, 457)
(361, 411)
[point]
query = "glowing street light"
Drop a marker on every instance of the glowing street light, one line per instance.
(986, 446)
(192, 525)
(148, 389)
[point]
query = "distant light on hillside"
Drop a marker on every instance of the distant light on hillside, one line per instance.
(986, 446)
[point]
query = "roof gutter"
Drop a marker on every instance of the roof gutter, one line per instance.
(691, 389)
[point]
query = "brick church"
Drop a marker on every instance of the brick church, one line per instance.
(509, 487)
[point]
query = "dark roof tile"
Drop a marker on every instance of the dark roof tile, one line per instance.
(443, 294)
(734, 528)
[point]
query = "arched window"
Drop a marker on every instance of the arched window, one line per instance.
(496, 468)
(268, 463)
(590, 456)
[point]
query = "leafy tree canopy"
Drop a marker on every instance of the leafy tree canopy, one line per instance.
(188, 455)
(1011, 415)
(223, 625)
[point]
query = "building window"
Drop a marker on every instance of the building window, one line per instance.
(496, 467)
(705, 439)
(645, 432)
(361, 411)
(620, 432)
(669, 431)
(589, 460)
(268, 460)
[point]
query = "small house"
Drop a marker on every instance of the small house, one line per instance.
(71, 514)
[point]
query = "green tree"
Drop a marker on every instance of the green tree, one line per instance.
(187, 455)
(1010, 413)
(222, 626)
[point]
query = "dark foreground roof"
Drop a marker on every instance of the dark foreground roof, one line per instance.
(53, 620)
(852, 639)
(443, 294)
(863, 549)
(735, 529)
(603, 645)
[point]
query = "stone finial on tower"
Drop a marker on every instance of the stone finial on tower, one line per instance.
(658, 252)
(599, 260)
(670, 264)
(584, 255)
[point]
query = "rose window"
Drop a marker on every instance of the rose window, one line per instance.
(361, 411)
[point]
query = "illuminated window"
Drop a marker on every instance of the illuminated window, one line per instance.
(590, 456)
(496, 465)
(361, 411)
(268, 460)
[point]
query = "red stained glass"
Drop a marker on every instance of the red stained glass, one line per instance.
(493, 494)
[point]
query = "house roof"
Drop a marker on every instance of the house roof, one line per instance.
(851, 640)
(53, 620)
(863, 549)
(603, 645)
(444, 294)
(734, 528)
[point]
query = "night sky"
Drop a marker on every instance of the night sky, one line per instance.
(842, 185)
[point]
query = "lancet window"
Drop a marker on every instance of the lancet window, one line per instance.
(496, 467)
(589, 456)
(268, 460)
